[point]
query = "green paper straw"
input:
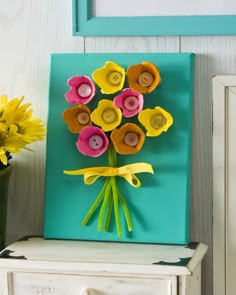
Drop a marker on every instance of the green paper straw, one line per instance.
(126, 211)
(109, 211)
(95, 204)
(104, 205)
(116, 206)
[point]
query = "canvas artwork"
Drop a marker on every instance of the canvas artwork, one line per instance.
(119, 147)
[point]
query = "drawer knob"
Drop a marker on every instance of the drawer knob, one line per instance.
(89, 291)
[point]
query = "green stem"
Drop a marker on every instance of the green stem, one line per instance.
(95, 204)
(111, 198)
(112, 158)
(104, 205)
(126, 211)
(116, 206)
(109, 211)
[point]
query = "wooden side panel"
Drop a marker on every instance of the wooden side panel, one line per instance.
(191, 285)
(224, 172)
(231, 200)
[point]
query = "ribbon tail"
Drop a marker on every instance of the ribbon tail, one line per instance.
(132, 180)
(90, 178)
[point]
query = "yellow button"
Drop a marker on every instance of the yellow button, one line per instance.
(158, 121)
(109, 116)
(131, 139)
(83, 118)
(145, 79)
(115, 78)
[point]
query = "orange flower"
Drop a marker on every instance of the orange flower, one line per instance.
(143, 77)
(77, 118)
(129, 139)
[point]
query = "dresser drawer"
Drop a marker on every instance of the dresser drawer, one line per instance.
(60, 284)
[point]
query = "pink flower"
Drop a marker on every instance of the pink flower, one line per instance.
(130, 101)
(92, 141)
(82, 90)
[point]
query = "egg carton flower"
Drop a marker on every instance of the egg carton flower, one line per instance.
(102, 130)
(77, 118)
(128, 139)
(92, 141)
(130, 101)
(110, 78)
(82, 90)
(155, 121)
(143, 77)
(106, 115)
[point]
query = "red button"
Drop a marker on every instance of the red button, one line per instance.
(131, 103)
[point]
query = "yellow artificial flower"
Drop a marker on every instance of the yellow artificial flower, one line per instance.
(3, 102)
(13, 112)
(110, 78)
(155, 120)
(3, 157)
(106, 115)
(18, 128)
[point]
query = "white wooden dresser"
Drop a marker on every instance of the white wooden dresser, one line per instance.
(37, 266)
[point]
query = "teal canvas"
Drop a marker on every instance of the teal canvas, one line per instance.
(159, 209)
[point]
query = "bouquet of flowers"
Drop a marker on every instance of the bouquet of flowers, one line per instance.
(18, 128)
(113, 126)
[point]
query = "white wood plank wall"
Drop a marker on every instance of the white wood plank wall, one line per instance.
(29, 32)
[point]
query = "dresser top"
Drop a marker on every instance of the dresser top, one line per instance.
(166, 258)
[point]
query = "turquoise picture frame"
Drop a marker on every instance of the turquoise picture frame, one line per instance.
(85, 24)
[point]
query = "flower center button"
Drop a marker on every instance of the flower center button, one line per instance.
(145, 79)
(158, 121)
(95, 142)
(131, 103)
(109, 116)
(131, 139)
(83, 118)
(84, 90)
(115, 78)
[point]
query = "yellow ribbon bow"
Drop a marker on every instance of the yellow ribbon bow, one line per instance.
(127, 172)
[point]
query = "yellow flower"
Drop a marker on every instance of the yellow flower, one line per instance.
(13, 112)
(3, 157)
(18, 127)
(106, 115)
(3, 102)
(155, 120)
(110, 78)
